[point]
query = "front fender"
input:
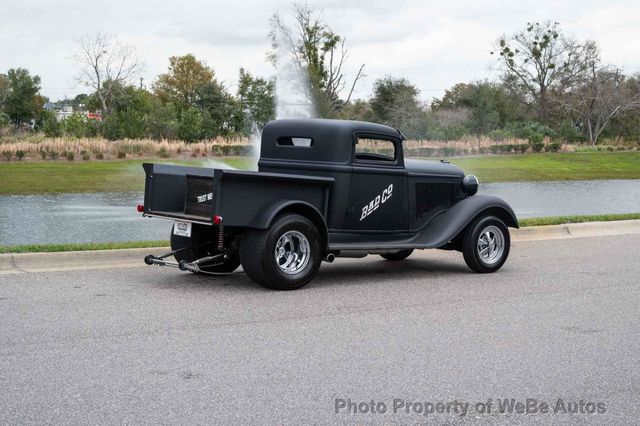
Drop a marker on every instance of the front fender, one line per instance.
(446, 226)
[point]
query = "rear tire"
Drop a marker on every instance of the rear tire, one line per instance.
(202, 242)
(285, 257)
(485, 245)
(399, 255)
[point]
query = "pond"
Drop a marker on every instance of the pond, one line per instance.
(103, 217)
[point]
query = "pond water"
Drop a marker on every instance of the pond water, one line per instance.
(102, 217)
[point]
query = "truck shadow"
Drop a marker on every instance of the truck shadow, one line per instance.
(343, 272)
(354, 272)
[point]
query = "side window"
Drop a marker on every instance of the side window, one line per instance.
(293, 141)
(375, 149)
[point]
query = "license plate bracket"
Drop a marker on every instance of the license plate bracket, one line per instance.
(182, 229)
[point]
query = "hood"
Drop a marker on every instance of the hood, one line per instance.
(432, 167)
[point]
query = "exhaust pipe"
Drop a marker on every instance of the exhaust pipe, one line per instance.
(330, 258)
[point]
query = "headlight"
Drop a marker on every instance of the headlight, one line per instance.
(470, 185)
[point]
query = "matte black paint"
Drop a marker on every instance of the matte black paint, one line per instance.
(326, 182)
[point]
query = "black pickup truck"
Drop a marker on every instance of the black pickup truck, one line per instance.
(324, 189)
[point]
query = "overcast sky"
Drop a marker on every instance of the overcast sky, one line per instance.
(433, 44)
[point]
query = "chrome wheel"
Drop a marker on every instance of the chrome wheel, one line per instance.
(292, 252)
(490, 245)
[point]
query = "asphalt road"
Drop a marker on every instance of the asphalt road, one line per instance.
(152, 345)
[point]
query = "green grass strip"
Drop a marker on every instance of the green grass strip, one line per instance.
(560, 220)
(39, 248)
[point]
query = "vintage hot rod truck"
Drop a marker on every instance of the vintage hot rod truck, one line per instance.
(323, 189)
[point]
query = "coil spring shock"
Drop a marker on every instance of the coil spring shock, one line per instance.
(221, 237)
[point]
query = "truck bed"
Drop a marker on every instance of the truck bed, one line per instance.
(197, 194)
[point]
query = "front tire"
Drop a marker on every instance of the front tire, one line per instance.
(485, 245)
(285, 257)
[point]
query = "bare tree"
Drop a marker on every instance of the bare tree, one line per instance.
(606, 94)
(106, 65)
(324, 53)
(540, 59)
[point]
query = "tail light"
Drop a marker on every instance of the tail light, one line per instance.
(140, 208)
(217, 220)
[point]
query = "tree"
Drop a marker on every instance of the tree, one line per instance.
(489, 105)
(105, 60)
(323, 54)
(190, 126)
(181, 83)
(162, 121)
(540, 59)
(257, 100)
(5, 121)
(23, 103)
(606, 95)
(4, 90)
(220, 111)
(395, 102)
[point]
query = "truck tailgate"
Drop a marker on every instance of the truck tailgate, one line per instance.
(179, 192)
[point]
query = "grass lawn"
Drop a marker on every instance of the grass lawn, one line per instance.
(553, 166)
(127, 175)
(84, 176)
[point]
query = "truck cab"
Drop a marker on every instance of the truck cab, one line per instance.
(347, 183)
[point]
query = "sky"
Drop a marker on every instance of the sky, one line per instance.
(434, 44)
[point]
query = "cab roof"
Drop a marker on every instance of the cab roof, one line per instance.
(331, 140)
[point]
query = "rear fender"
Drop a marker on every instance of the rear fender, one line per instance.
(446, 226)
(266, 218)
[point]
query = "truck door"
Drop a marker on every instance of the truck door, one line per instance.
(378, 195)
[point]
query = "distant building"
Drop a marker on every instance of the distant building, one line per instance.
(64, 113)
(67, 111)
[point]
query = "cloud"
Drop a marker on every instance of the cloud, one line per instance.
(434, 44)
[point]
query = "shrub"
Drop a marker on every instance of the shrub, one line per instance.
(7, 155)
(162, 152)
(69, 156)
(50, 125)
(86, 157)
(111, 128)
(75, 125)
(20, 154)
(121, 155)
(99, 156)
(533, 131)
(554, 146)
(569, 132)
(500, 135)
(537, 146)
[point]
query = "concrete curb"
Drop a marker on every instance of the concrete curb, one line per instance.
(575, 230)
(125, 258)
(75, 260)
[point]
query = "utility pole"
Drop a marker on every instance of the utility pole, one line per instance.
(141, 85)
